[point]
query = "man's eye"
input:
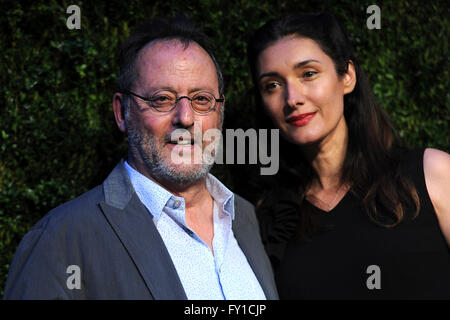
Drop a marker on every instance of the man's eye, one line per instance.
(203, 99)
(162, 99)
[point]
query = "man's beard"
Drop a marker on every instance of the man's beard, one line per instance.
(160, 167)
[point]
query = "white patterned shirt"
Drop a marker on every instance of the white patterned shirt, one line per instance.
(224, 275)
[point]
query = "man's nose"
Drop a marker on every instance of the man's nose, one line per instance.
(184, 115)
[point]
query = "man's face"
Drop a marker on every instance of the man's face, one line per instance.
(168, 66)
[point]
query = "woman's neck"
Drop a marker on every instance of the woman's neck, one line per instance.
(327, 158)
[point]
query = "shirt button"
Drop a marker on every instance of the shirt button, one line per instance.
(176, 204)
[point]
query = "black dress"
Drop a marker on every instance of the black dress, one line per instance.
(354, 258)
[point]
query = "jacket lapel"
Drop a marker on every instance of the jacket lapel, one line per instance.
(134, 226)
(250, 243)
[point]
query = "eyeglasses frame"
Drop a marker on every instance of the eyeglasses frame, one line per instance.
(220, 100)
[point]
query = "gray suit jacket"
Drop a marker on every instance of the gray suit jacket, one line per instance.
(109, 234)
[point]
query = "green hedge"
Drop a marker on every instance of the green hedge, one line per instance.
(57, 130)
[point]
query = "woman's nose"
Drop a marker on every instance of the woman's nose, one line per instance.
(294, 95)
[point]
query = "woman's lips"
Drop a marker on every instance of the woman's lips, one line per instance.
(301, 119)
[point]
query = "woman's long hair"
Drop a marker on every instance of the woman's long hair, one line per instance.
(372, 160)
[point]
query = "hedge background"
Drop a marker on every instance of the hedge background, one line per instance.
(57, 130)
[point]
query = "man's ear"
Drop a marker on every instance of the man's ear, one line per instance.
(350, 78)
(119, 111)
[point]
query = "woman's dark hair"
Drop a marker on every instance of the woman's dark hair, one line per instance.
(372, 160)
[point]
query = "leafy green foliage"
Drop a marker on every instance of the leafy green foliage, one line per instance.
(57, 130)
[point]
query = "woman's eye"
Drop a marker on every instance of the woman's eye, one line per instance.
(270, 86)
(309, 74)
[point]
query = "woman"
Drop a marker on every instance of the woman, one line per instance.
(351, 214)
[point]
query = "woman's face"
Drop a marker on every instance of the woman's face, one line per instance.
(301, 90)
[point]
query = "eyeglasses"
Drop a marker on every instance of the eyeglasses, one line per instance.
(165, 101)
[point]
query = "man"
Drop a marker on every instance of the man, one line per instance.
(156, 228)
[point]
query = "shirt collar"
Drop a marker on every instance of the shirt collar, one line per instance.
(151, 194)
(223, 196)
(155, 197)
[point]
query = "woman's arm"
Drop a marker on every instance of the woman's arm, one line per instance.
(436, 166)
